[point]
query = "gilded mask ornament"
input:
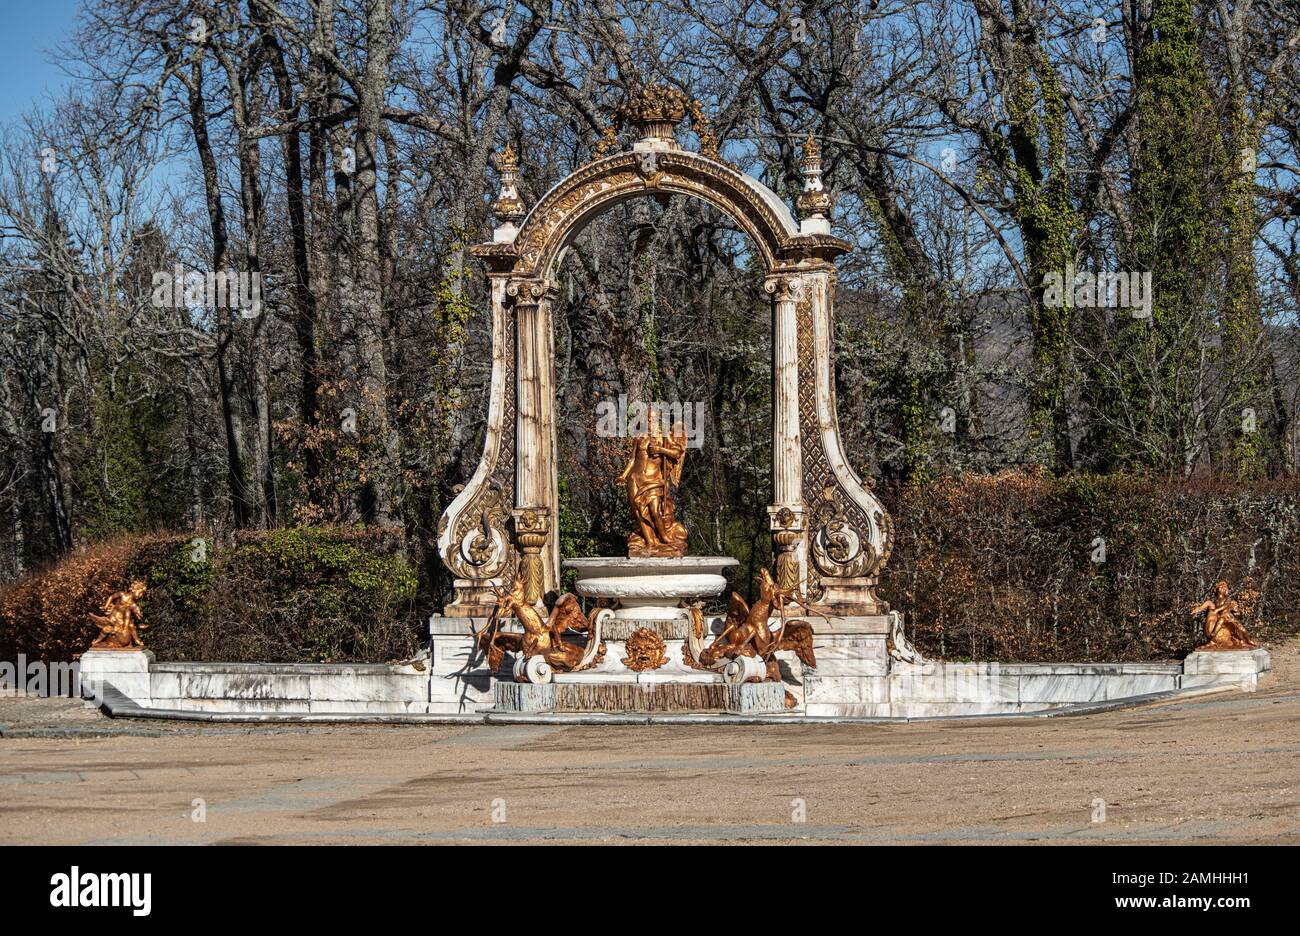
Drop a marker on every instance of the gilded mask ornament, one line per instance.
(645, 650)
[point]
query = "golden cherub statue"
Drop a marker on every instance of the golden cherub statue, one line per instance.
(656, 460)
(747, 632)
(541, 638)
(120, 628)
(1223, 627)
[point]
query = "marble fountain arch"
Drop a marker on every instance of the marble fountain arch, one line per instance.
(646, 656)
(831, 536)
(651, 652)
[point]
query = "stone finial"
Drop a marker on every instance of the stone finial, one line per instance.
(655, 111)
(812, 153)
(813, 201)
(508, 161)
(509, 207)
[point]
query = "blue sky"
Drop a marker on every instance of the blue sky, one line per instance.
(29, 31)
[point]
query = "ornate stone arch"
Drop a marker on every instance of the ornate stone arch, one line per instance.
(830, 534)
(598, 186)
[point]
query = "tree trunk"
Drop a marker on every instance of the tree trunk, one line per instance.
(231, 420)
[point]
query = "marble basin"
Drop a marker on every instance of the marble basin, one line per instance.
(651, 587)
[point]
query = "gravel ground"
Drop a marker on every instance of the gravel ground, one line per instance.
(1223, 768)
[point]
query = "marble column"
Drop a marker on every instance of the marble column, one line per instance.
(786, 514)
(849, 534)
(535, 479)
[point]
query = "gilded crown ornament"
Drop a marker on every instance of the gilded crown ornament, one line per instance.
(813, 201)
(509, 207)
(655, 111)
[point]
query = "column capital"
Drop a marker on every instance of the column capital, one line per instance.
(788, 517)
(532, 524)
(784, 287)
(531, 520)
(527, 290)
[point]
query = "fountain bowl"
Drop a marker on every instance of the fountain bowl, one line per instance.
(651, 587)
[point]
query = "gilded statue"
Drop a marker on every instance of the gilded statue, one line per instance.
(1223, 613)
(747, 632)
(122, 621)
(655, 463)
(541, 638)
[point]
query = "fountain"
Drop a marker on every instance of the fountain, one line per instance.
(643, 646)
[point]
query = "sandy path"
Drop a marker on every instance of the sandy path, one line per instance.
(1221, 768)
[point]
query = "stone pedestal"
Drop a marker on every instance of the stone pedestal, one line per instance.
(459, 679)
(127, 671)
(1231, 666)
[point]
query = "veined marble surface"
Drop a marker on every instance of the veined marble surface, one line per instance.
(621, 565)
(856, 677)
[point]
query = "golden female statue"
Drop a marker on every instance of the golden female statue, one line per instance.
(656, 460)
(1223, 628)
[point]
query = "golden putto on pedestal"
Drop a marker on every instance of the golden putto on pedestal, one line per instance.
(1223, 627)
(122, 621)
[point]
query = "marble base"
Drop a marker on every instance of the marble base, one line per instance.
(765, 698)
(859, 675)
(1243, 667)
(1227, 662)
(648, 697)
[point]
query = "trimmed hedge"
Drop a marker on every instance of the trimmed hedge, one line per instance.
(302, 595)
(1018, 566)
(1021, 566)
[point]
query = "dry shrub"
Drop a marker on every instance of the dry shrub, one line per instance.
(290, 596)
(45, 615)
(1002, 567)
